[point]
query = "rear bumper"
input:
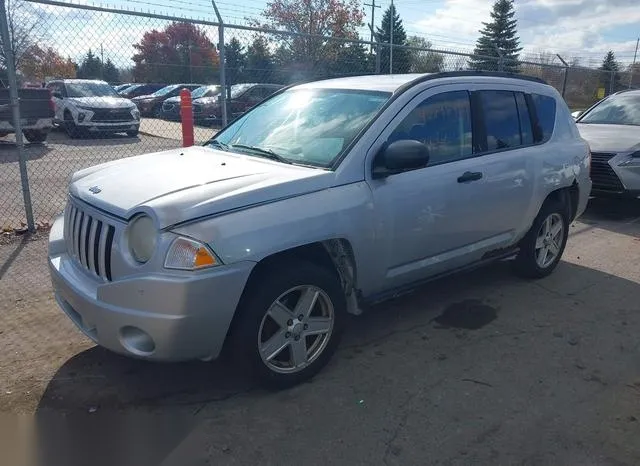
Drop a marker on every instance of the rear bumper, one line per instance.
(162, 317)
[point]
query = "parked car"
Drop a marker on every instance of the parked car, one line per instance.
(322, 199)
(141, 89)
(36, 113)
(122, 87)
(91, 106)
(151, 105)
(207, 110)
(612, 129)
(171, 106)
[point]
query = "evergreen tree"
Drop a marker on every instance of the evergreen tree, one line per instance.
(611, 69)
(235, 60)
(401, 56)
(498, 35)
(258, 61)
(110, 72)
(91, 67)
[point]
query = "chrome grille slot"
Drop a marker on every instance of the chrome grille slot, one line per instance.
(89, 241)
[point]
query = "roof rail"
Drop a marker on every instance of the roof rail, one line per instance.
(454, 74)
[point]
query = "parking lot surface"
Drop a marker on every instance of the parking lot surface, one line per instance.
(479, 368)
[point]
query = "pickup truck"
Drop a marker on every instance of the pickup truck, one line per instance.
(36, 113)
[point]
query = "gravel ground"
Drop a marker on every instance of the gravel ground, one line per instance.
(551, 376)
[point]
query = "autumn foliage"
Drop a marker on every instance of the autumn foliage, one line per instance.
(181, 52)
(40, 63)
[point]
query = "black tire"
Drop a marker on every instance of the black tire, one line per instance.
(263, 290)
(35, 136)
(70, 127)
(526, 263)
(133, 133)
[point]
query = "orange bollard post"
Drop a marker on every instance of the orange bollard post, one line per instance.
(186, 115)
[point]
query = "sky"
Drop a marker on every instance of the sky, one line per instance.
(583, 29)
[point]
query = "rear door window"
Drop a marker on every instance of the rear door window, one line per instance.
(501, 119)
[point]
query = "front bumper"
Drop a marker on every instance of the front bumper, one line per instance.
(163, 317)
(100, 127)
(616, 175)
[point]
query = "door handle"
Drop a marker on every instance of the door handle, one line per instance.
(469, 176)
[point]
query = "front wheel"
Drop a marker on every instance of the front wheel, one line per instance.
(289, 323)
(541, 249)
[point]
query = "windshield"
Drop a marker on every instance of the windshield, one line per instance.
(165, 90)
(309, 127)
(201, 91)
(90, 89)
(621, 109)
(131, 88)
(238, 89)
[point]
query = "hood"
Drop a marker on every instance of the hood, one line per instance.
(610, 138)
(183, 184)
(144, 97)
(102, 102)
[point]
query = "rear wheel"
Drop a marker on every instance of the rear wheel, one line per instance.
(289, 323)
(541, 249)
(35, 136)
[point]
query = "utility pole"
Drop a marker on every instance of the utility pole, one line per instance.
(373, 18)
(223, 65)
(393, 16)
(101, 62)
(635, 55)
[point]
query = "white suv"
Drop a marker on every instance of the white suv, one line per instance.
(84, 106)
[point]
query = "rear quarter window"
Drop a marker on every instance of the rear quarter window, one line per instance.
(545, 110)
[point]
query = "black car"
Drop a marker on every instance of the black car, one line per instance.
(151, 105)
(136, 90)
(171, 106)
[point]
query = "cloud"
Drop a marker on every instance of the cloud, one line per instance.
(581, 28)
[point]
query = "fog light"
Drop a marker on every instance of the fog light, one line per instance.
(137, 341)
(81, 116)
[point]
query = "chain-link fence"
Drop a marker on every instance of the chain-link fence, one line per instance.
(153, 56)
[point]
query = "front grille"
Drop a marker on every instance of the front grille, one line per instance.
(111, 116)
(602, 175)
(89, 241)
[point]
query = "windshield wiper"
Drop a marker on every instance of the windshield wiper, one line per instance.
(218, 144)
(267, 153)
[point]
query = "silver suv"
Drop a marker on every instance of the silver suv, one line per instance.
(324, 198)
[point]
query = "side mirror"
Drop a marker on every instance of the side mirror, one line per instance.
(56, 94)
(576, 114)
(400, 156)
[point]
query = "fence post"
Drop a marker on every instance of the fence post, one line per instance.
(15, 107)
(612, 82)
(566, 74)
(223, 65)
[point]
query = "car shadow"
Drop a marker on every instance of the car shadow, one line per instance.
(615, 215)
(33, 151)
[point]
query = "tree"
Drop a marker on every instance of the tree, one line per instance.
(318, 20)
(498, 37)
(401, 56)
(425, 60)
(39, 63)
(90, 67)
(351, 59)
(235, 61)
(258, 61)
(610, 78)
(24, 23)
(181, 52)
(110, 72)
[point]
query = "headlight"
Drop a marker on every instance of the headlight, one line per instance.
(135, 113)
(188, 254)
(142, 238)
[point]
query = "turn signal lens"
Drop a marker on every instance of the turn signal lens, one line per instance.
(188, 254)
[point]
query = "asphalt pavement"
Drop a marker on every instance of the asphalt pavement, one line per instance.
(51, 164)
(481, 368)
